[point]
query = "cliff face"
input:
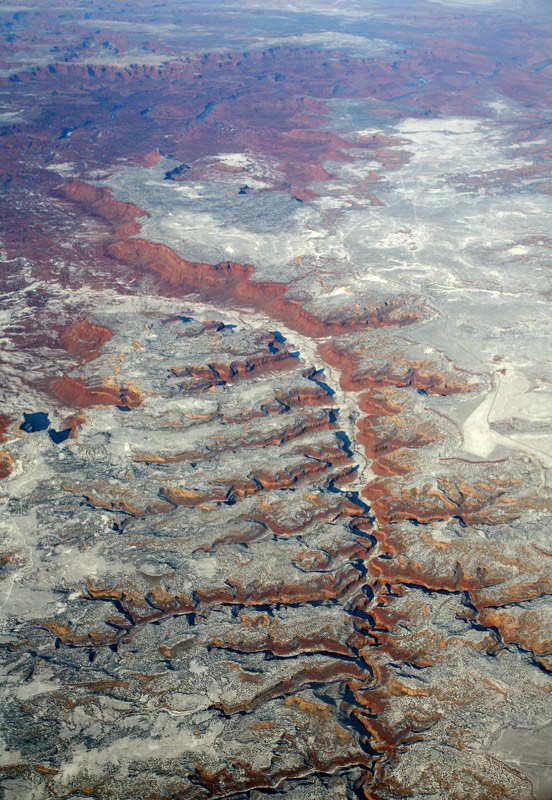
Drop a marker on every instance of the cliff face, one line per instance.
(286, 530)
(232, 281)
(73, 392)
(235, 500)
(250, 546)
(84, 339)
(6, 463)
(6, 460)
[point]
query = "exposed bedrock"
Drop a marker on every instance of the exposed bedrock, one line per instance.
(285, 618)
(266, 537)
(84, 339)
(6, 463)
(77, 393)
(233, 281)
(269, 623)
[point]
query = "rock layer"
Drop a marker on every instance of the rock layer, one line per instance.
(288, 530)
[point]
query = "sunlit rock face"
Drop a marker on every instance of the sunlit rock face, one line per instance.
(275, 430)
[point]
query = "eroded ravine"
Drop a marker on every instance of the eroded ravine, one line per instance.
(254, 550)
(346, 402)
(233, 483)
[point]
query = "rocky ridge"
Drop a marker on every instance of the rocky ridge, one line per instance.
(251, 552)
(223, 567)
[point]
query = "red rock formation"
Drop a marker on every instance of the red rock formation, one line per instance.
(150, 159)
(303, 397)
(380, 439)
(485, 501)
(84, 339)
(74, 422)
(390, 433)
(6, 461)
(229, 279)
(4, 424)
(6, 464)
(289, 433)
(400, 373)
(524, 628)
(338, 670)
(99, 200)
(174, 270)
(237, 370)
(318, 588)
(181, 496)
(75, 392)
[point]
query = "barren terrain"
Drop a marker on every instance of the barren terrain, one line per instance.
(275, 400)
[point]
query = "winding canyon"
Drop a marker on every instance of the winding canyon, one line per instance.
(275, 426)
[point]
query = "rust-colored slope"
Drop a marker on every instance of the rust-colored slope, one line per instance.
(231, 280)
(6, 461)
(84, 339)
(6, 464)
(75, 392)
(99, 201)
